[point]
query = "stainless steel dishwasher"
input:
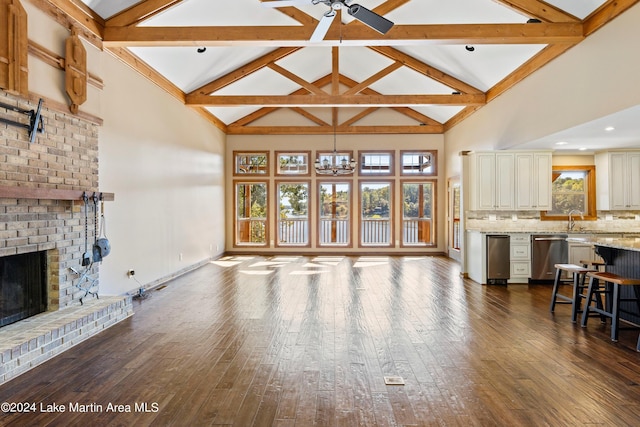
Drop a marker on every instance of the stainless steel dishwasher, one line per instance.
(546, 251)
(498, 259)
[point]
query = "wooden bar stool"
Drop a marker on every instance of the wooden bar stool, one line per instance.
(579, 273)
(612, 283)
(594, 263)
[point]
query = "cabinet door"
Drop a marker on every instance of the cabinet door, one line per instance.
(485, 178)
(542, 181)
(633, 172)
(618, 180)
(505, 175)
(533, 181)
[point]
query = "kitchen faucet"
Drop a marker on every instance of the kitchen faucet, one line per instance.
(572, 223)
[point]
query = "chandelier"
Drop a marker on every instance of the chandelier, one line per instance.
(335, 167)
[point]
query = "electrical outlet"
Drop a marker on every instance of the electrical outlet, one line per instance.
(131, 273)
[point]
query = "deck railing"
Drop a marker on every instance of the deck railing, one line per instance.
(293, 231)
(375, 231)
(334, 231)
(416, 231)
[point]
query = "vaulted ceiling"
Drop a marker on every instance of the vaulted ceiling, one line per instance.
(242, 64)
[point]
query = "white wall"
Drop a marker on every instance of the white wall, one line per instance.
(164, 162)
(165, 165)
(595, 78)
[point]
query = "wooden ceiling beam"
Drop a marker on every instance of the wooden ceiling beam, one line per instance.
(374, 78)
(425, 69)
(542, 33)
(359, 100)
(296, 79)
(140, 12)
(605, 13)
(329, 130)
(245, 70)
(321, 82)
(545, 12)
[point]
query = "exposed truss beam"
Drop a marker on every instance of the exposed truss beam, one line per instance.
(361, 35)
(545, 12)
(329, 130)
(140, 12)
(359, 100)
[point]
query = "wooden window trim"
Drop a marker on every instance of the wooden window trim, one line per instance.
(392, 213)
(434, 183)
(391, 171)
(591, 214)
(319, 183)
(236, 244)
(260, 153)
(310, 163)
(434, 162)
(307, 182)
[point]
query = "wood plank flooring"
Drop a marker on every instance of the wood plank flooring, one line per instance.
(307, 341)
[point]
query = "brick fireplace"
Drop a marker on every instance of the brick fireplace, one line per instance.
(62, 160)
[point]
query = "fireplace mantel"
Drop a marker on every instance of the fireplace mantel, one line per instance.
(18, 192)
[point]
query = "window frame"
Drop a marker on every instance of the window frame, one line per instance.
(306, 154)
(278, 243)
(392, 225)
(361, 163)
(591, 214)
(434, 213)
(432, 170)
(265, 168)
(349, 184)
(236, 242)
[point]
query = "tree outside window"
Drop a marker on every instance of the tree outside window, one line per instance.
(573, 189)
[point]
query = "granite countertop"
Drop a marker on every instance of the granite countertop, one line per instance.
(572, 232)
(627, 243)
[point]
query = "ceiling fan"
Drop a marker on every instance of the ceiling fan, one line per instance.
(361, 13)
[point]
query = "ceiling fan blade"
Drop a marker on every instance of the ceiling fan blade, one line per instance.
(285, 3)
(323, 27)
(370, 18)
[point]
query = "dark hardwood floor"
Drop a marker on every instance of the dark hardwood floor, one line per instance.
(286, 341)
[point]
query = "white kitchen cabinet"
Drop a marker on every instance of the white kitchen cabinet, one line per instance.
(533, 180)
(618, 180)
(492, 177)
(520, 259)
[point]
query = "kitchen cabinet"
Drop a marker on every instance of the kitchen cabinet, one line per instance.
(618, 180)
(520, 259)
(492, 180)
(533, 181)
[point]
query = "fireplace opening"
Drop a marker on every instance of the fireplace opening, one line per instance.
(23, 286)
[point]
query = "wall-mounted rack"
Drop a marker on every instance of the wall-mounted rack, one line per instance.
(35, 119)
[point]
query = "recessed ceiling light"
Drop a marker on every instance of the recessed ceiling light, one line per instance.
(609, 128)
(561, 143)
(582, 149)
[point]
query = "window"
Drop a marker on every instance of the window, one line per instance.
(335, 213)
(375, 211)
(251, 213)
(572, 189)
(419, 163)
(247, 163)
(328, 160)
(293, 214)
(292, 163)
(376, 163)
(418, 220)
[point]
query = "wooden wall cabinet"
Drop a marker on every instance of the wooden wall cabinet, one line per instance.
(492, 180)
(618, 180)
(533, 181)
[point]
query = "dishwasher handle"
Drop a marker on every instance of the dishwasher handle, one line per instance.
(549, 238)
